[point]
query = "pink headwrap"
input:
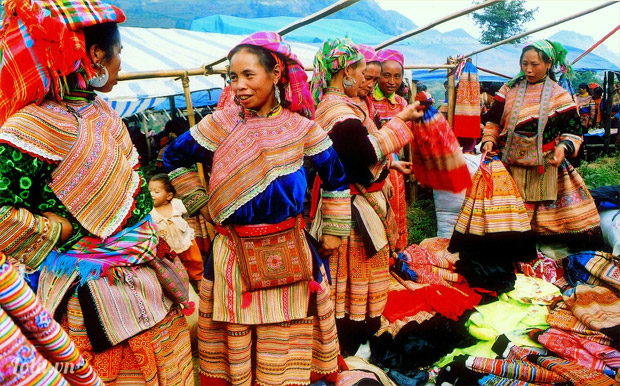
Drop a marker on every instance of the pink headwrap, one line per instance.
(297, 89)
(389, 54)
(369, 53)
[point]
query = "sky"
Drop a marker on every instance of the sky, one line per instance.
(596, 24)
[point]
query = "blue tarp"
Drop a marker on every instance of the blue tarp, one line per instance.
(199, 99)
(430, 47)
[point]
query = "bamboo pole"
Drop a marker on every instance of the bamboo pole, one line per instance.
(179, 73)
(549, 25)
(418, 30)
(302, 22)
(451, 91)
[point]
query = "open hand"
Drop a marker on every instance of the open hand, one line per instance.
(403, 167)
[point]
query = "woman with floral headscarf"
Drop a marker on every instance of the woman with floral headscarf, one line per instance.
(75, 207)
(360, 267)
(535, 126)
(265, 313)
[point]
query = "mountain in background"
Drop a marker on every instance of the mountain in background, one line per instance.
(577, 40)
(180, 13)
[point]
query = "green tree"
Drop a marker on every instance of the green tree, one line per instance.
(502, 20)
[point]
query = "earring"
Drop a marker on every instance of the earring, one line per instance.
(277, 93)
(348, 82)
(101, 79)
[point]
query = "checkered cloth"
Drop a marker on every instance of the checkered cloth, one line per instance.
(42, 41)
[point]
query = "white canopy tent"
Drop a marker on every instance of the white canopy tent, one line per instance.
(159, 49)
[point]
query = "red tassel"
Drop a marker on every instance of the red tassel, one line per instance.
(313, 286)
(189, 308)
(246, 300)
(391, 261)
(541, 169)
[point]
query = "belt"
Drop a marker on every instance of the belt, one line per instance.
(259, 229)
(374, 187)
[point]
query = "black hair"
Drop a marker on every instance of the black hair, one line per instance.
(598, 91)
(165, 181)
(266, 59)
(543, 56)
(584, 86)
(105, 35)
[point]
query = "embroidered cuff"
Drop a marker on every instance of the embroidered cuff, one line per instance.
(392, 137)
(26, 237)
(336, 210)
(189, 189)
(491, 134)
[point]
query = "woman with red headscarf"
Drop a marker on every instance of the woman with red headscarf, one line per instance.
(75, 206)
(265, 312)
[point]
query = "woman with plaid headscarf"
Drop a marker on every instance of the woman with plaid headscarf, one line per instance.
(75, 207)
(265, 313)
(360, 267)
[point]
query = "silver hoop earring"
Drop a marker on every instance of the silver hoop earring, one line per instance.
(101, 79)
(277, 93)
(348, 82)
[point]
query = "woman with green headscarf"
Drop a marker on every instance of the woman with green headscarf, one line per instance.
(535, 126)
(360, 267)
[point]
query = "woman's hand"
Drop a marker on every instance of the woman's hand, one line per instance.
(411, 112)
(67, 228)
(403, 167)
(558, 156)
(488, 147)
(329, 245)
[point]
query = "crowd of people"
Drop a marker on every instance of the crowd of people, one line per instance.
(98, 265)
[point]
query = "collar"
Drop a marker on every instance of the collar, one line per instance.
(379, 96)
(275, 111)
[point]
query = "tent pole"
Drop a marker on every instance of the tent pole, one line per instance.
(560, 21)
(608, 102)
(451, 91)
(444, 19)
(173, 108)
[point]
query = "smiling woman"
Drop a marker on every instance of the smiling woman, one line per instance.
(259, 320)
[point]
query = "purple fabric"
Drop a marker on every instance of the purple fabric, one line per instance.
(389, 54)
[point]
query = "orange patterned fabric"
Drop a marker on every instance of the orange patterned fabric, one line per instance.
(359, 282)
(277, 354)
(157, 357)
(93, 148)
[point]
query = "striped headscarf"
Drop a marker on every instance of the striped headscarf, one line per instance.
(390, 54)
(42, 41)
(369, 53)
(555, 51)
(333, 56)
(294, 76)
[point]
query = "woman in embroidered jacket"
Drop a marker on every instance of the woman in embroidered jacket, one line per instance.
(265, 313)
(74, 204)
(360, 272)
(387, 104)
(535, 125)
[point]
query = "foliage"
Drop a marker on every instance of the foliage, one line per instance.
(586, 77)
(421, 221)
(604, 171)
(502, 20)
